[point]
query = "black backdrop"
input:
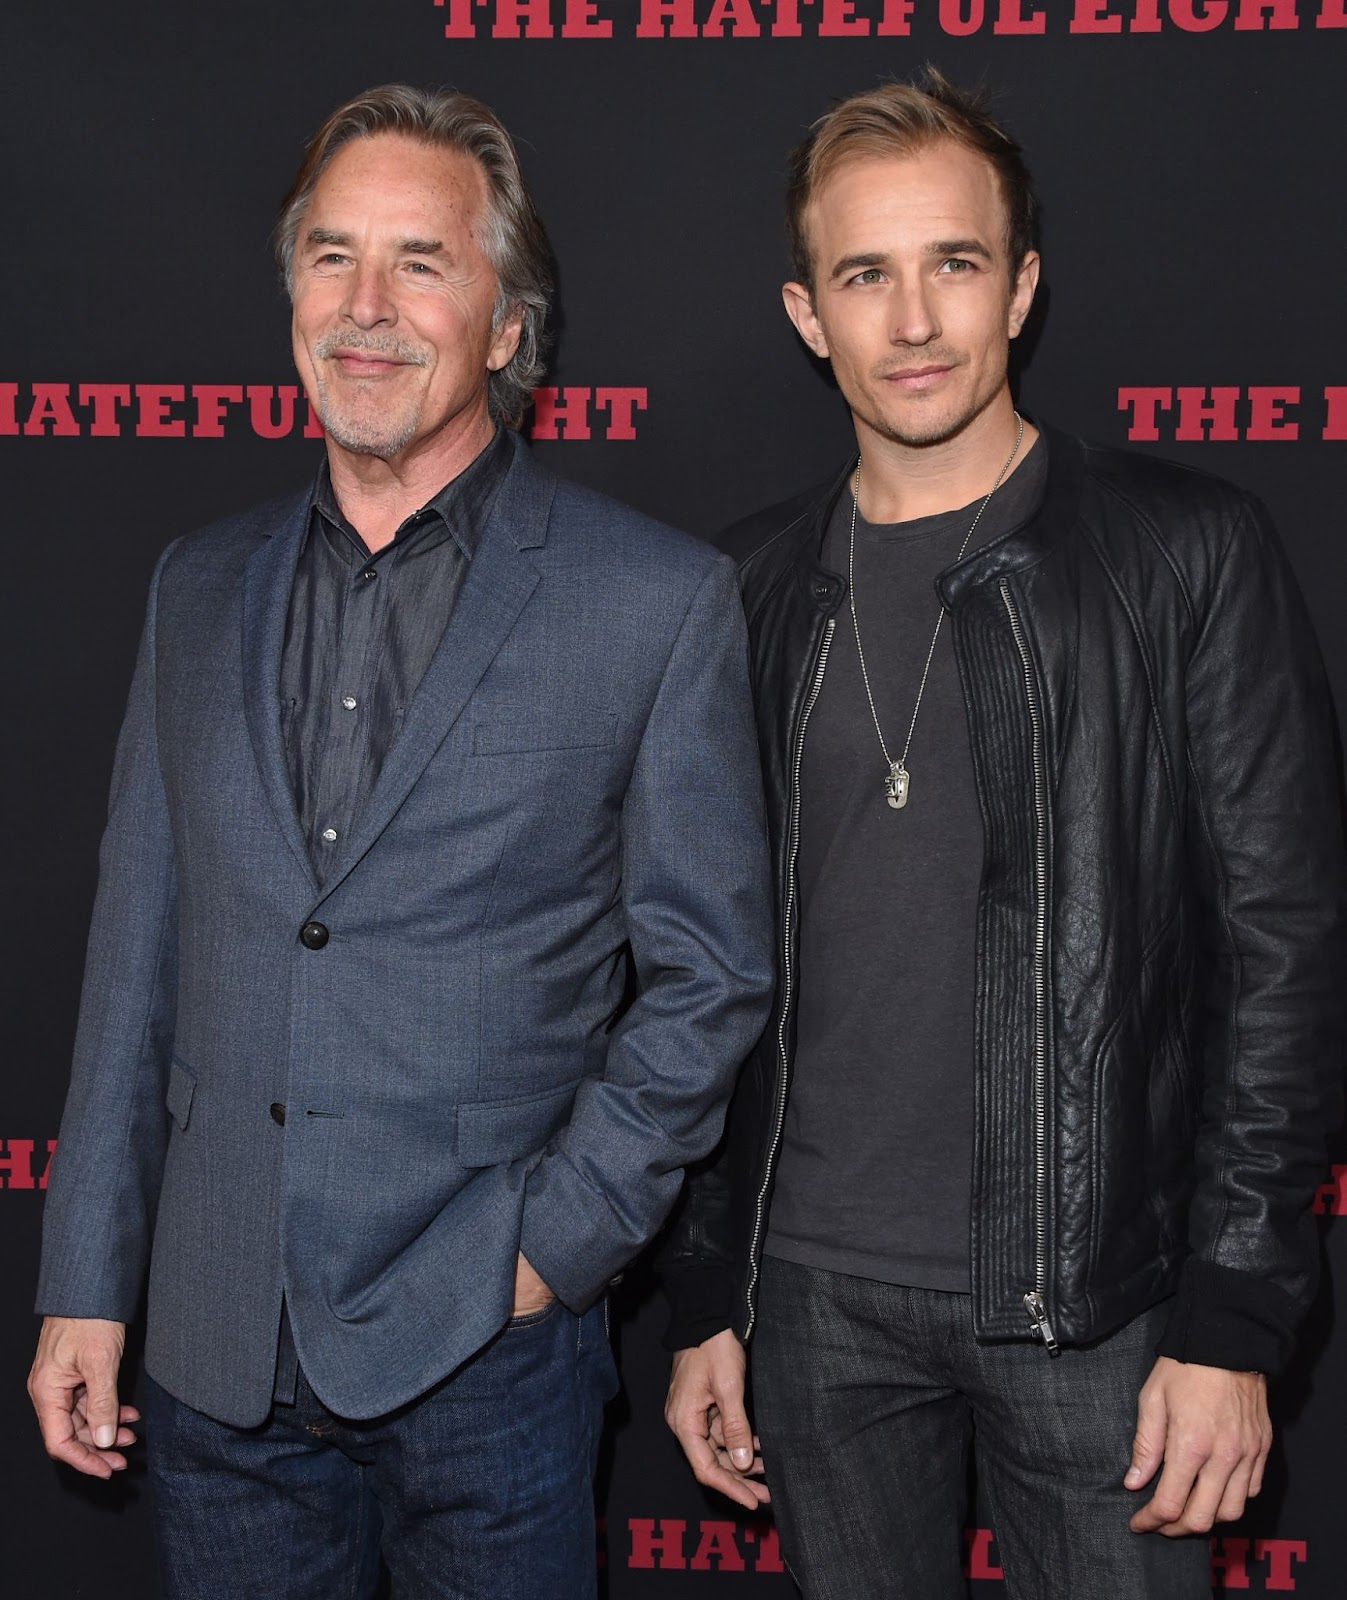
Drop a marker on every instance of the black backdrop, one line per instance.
(1190, 158)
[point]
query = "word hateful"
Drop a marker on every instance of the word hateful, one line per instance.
(268, 411)
(1330, 1199)
(1266, 411)
(862, 19)
(21, 1167)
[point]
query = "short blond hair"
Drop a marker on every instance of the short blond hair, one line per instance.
(901, 119)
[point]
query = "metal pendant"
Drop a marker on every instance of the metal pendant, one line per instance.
(896, 786)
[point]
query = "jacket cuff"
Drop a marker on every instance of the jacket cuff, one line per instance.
(1225, 1318)
(701, 1301)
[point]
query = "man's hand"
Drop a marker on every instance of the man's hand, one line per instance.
(530, 1292)
(73, 1387)
(705, 1408)
(1210, 1427)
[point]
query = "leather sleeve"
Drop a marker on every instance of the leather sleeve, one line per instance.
(1266, 847)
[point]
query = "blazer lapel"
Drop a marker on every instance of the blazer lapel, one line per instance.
(267, 581)
(500, 579)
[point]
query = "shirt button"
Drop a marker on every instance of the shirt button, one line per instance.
(278, 1113)
(349, 701)
(369, 572)
(330, 834)
(313, 936)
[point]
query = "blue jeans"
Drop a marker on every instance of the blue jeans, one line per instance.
(867, 1397)
(482, 1487)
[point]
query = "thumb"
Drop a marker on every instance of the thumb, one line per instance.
(1148, 1443)
(738, 1434)
(101, 1410)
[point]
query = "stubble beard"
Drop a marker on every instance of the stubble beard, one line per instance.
(360, 424)
(919, 433)
(369, 434)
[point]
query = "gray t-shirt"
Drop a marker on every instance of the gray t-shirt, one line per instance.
(875, 1162)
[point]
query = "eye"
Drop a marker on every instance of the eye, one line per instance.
(956, 265)
(421, 269)
(868, 276)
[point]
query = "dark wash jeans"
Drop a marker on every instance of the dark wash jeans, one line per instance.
(867, 1397)
(482, 1487)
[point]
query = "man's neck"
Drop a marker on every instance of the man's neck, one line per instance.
(377, 496)
(902, 482)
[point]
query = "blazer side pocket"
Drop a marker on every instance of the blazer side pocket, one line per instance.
(494, 1131)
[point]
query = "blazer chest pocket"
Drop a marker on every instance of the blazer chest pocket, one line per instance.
(494, 1131)
(535, 735)
(181, 1088)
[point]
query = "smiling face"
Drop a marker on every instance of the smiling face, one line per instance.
(393, 298)
(913, 302)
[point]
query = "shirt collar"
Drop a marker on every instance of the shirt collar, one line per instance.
(459, 511)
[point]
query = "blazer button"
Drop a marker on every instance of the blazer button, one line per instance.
(313, 936)
(278, 1113)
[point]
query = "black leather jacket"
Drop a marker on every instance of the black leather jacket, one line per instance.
(1160, 934)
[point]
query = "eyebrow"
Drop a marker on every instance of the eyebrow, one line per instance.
(408, 247)
(959, 247)
(857, 263)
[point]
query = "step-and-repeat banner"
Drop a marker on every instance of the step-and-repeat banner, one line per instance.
(1190, 159)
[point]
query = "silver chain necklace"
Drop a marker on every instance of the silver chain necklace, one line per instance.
(898, 781)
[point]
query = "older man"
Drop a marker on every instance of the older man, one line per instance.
(424, 769)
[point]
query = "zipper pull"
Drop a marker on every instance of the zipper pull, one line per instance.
(1038, 1315)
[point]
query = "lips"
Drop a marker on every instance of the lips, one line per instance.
(916, 379)
(357, 364)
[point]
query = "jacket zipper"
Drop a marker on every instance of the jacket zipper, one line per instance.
(1035, 1302)
(787, 986)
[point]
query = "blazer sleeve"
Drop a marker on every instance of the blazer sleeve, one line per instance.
(105, 1177)
(697, 897)
(1266, 830)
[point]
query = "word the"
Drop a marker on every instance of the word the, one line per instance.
(1260, 412)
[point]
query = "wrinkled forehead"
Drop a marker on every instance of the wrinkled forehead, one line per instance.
(393, 179)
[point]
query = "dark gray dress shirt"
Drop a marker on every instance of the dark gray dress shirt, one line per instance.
(361, 632)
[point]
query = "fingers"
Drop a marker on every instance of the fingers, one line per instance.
(530, 1292)
(735, 1433)
(705, 1410)
(714, 1469)
(1214, 1442)
(73, 1387)
(101, 1409)
(1148, 1443)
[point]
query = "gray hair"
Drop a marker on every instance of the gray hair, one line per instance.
(513, 238)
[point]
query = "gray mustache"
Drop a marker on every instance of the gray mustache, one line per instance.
(376, 344)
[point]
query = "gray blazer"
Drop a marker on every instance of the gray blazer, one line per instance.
(576, 775)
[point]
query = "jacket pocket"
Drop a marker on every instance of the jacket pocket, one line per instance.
(534, 735)
(181, 1088)
(494, 1131)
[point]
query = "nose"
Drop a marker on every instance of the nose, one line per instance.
(368, 301)
(912, 316)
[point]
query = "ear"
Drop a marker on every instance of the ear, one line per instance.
(799, 304)
(1022, 295)
(504, 342)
